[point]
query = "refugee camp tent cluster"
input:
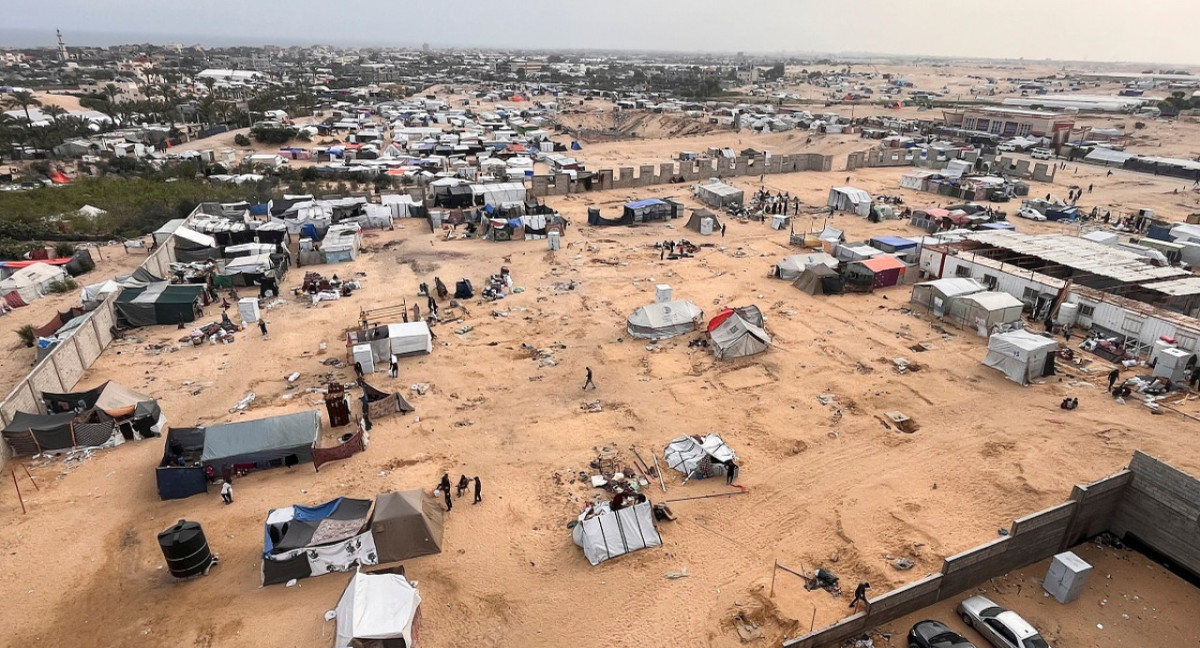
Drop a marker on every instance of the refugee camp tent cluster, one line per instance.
(342, 534)
(639, 211)
(1022, 356)
(815, 273)
(104, 416)
(738, 332)
(190, 455)
(374, 347)
(495, 226)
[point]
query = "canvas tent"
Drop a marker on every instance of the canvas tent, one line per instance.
(738, 332)
(696, 222)
(665, 320)
(940, 295)
(1021, 355)
(160, 303)
(820, 280)
(30, 434)
(789, 268)
(105, 416)
(984, 311)
(604, 534)
(851, 200)
(91, 295)
(699, 455)
(302, 541)
(498, 194)
(381, 404)
(378, 608)
(718, 194)
(33, 281)
(180, 473)
(191, 245)
(122, 404)
(284, 440)
(406, 524)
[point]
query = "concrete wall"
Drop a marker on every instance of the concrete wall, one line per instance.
(67, 362)
(1161, 508)
(691, 171)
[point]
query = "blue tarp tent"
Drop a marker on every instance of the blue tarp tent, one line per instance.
(576, 147)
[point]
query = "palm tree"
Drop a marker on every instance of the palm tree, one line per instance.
(54, 112)
(23, 99)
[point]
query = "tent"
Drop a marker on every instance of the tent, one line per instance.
(696, 222)
(699, 455)
(651, 209)
(92, 295)
(1021, 355)
(381, 404)
(498, 194)
(851, 200)
(882, 271)
(180, 473)
(284, 440)
(378, 608)
(302, 541)
(596, 220)
(160, 303)
(789, 269)
(941, 295)
(820, 280)
(191, 245)
(30, 434)
(718, 194)
(409, 338)
(665, 320)
(163, 233)
(604, 534)
(120, 403)
(738, 332)
(405, 525)
(33, 281)
(986, 310)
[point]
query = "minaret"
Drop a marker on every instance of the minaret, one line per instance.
(62, 47)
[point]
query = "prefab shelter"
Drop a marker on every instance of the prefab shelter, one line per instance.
(718, 194)
(820, 280)
(702, 456)
(1021, 355)
(940, 295)
(665, 320)
(160, 303)
(33, 281)
(738, 332)
(984, 311)
(879, 272)
(790, 268)
(382, 609)
(851, 200)
(604, 534)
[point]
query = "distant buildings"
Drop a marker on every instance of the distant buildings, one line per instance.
(1013, 122)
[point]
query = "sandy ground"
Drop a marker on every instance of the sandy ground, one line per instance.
(1128, 601)
(509, 574)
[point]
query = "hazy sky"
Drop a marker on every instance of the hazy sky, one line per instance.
(1096, 30)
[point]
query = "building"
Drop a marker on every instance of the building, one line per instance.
(1013, 122)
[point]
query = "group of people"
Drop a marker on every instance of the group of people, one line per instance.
(778, 203)
(443, 488)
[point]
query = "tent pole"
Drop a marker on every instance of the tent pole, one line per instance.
(685, 499)
(23, 467)
(18, 487)
(658, 470)
(774, 569)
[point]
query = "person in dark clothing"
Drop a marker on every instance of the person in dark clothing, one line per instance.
(860, 594)
(662, 253)
(1090, 188)
(1195, 379)
(1112, 378)
(433, 307)
(262, 326)
(731, 471)
(722, 231)
(463, 484)
(589, 379)
(449, 502)
(478, 490)
(358, 371)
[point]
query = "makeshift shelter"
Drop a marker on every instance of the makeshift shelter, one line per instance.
(665, 320)
(790, 268)
(718, 194)
(180, 473)
(699, 456)
(877, 272)
(604, 534)
(406, 524)
(125, 406)
(160, 303)
(851, 200)
(302, 541)
(940, 295)
(651, 209)
(30, 434)
(738, 332)
(498, 194)
(284, 440)
(163, 233)
(342, 242)
(383, 609)
(697, 222)
(1021, 355)
(820, 280)
(33, 281)
(984, 311)
(381, 404)
(191, 245)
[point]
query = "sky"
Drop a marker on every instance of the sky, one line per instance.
(1089, 30)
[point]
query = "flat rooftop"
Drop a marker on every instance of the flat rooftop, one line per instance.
(1080, 254)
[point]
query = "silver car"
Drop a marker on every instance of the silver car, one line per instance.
(1003, 628)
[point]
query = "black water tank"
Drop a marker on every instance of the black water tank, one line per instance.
(185, 549)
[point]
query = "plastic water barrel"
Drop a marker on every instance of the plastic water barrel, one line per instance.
(186, 549)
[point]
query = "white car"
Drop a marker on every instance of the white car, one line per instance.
(1006, 147)
(1041, 154)
(1031, 214)
(1003, 628)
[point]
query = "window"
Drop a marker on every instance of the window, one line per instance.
(996, 126)
(1186, 342)
(962, 271)
(1000, 629)
(1023, 130)
(1131, 324)
(1029, 295)
(1010, 129)
(990, 281)
(982, 124)
(1087, 310)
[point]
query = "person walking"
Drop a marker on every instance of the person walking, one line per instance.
(478, 490)
(731, 472)
(432, 306)
(446, 495)
(444, 484)
(860, 594)
(358, 371)
(262, 326)
(1090, 188)
(722, 231)
(394, 369)
(227, 492)
(1112, 378)
(589, 379)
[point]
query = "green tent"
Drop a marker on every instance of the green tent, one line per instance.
(160, 303)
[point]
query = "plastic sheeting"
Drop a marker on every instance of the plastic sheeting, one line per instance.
(377, 607)
(685, 453)
(608, 534)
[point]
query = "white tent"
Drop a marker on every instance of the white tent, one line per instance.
(986, 310)
(790, 268)
(499, 193)
(378, 606)
(192, 236)
(1021, 355)
(401, 205)
(410, 338)
(603, 533)
(718, 194)
(850, 199)
(686, 453)
(940, 295)
(738, 332)
(665, 320)
(33, 281)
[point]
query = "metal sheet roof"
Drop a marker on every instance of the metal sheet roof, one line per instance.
(1079, 254)
(1176, 287)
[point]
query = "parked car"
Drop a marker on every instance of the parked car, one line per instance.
(1006, 147)
(1003, 628)
(935, 634)
(1041, 154)
(1031, 214)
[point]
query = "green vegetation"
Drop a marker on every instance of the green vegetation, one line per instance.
(273, 135)
(63, 249)
(241, 140)
(61, 286)
(28, 335)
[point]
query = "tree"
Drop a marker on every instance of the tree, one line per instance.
(23, 99)
(241, 140)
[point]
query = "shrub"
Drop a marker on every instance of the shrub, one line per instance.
(28, 335)
(62, 249)
(241, 140)
(63, 286)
